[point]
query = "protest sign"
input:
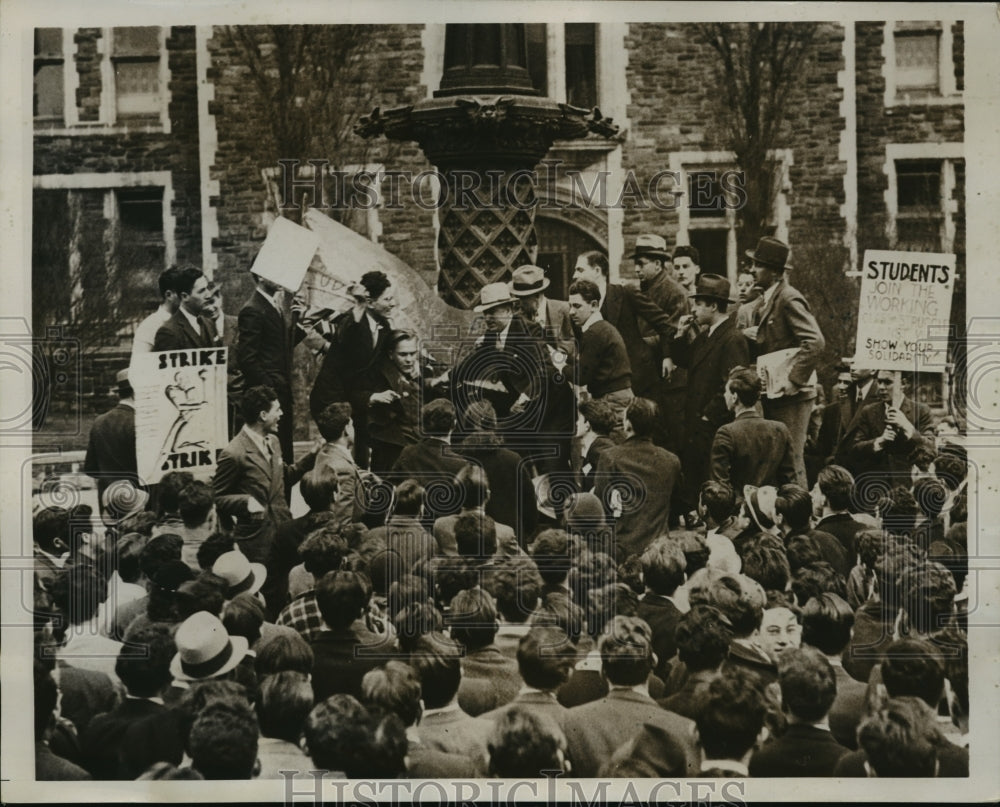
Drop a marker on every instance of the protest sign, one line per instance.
(286, 254)
(904, 311)
(180, 412)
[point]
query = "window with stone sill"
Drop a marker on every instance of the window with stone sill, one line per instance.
(48, 98)
(921, 63)
(920, 209)
(135, 64)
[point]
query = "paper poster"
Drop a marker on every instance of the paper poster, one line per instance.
(180, 412)
(286, 254)
(904, 311)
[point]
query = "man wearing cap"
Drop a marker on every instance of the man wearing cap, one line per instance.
(510, 366)
(708, 346)
(111, 448)
(751, 450)
(782, 320)
(528, 284)
(187, 328)
(263, 353)
(625, 308)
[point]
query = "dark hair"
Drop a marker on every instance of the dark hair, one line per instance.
(931, 496)
(436, 658)
(695, 549)
(216, 545)
(605, 602)
(663, 565)
(408, 589)
(827, 620)
(473, 618)
(143, 664)
(801, 551)
(745, 385)
(243, 616)
(375, 283)
(815, 579)
(283, 703)
(416, 619)
(726, 593)
(558, 610)
(46, 697)
(837, 484)
(343, 735)
(596, 260)
(870, 545)
(341, 597)
(928, 596)
(626, 649)
(768, 566)
(474, 485)
(323, 550)
(900, 739)
(223, 741)
(643, 415)
(48, 525)
(718, 499)
(407, 498)
(950, 469)
(165, 588)
(600, 415)
(318, 487)
(524, 744)
(437, 417)
(730, 714)
(476, 536)
(551, 554)
(899, 511)
(545, 658)
(77, 592)
(187, 276)
(393, 687)
(333, 420)
(207, 592)
(703, 638)
(168, 491)
(922, 456)
(808, 684)
(587, 290)
(128, 550)
(913, 667)
(194, 502)
(687, 251)
(794, 504)
(516, 585)
(284, 651)
(256, 400)
(168, 281)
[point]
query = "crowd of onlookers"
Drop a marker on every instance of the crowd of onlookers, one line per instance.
(563, 554)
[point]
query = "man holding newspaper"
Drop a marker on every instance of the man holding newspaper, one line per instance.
(787, 343)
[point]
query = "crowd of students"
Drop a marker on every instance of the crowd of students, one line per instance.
(664, 589)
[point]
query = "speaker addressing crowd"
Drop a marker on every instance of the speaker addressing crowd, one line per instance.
(596, 545)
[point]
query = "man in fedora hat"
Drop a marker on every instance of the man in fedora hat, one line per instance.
(708, 346)
(782, 320)
(111, 447)
(528, 284)
(205, 650)
(511, 367)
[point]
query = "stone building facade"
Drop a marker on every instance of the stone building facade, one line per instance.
(154, 146)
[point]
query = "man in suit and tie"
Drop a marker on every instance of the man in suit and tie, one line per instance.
(782, 321)
(528, 284)
(337, 428)
(751, 450)
(267, 338)
(145, 332)
(708, 346)
(187, 328)
(111, 446)
(359, 342)
(624, 308)
(250, 477)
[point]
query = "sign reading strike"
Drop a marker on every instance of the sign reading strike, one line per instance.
(904, 310)
(180, 411)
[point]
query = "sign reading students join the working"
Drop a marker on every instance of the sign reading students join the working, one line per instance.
(180, 411)
(904, 311)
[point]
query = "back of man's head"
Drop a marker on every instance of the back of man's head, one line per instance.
(168, 492)
(437, 661)
(626, 649)
(332, 421)
(393, 687)
(408, 498)
(223, 741)
(794, 505)
(525, 744)
(323, 550)
(318, 488)
(284, 701)
(143, 664)
(341, 597)
(663, 566)
(827, 621)
(516, 587)
(437, 418)
(551, 553)
(730, 715)
(476, 536)
(912, 667)
(745, 385)
(808, 684)
(473, 619)
(545, 658)
(901, 739)
(837, 484)
(194, 503)
(719, 500)
(703, 638)
(342, 735)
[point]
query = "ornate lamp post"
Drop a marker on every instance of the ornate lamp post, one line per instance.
(485, 129)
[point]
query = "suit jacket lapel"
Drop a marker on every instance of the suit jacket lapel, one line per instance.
(612, 304)
(255, 455)
(710, 344)
(766, 310)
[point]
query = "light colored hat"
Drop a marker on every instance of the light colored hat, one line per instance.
(205, 649)
(527, 280)
(760, 502)
(492, 295)
(652, 245)
(240, 574)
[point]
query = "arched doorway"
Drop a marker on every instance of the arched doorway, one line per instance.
(559, 244)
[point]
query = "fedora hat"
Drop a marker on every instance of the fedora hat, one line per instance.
(527, 280)
(492, 295)
(240, 574)
(650, 245)
(205, 649)
(771, 252)
(760, 502)
(713, 287)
